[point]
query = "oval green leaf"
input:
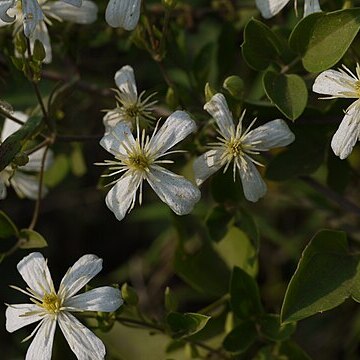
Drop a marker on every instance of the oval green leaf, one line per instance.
(184, 325)
(32, 239)
(287, 92)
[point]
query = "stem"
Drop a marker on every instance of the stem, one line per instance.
(208, 309)
(38, 147)
(13, 118)
(41, 182)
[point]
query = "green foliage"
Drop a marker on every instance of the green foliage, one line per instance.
(241, 337)
(31, 239)
(287, 92)
(323, 38)
(7, 227)
(184, 325)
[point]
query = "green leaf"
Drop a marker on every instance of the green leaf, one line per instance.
(271, 329)
(260, 46)
(171, 302)
(7, 227)
(244, 295)
(199, 265)
(303, 157)
(323, 38)
(184, 325)
(283, 351)
(13, 144)
(237, 250)
(31, 239)
(323, 279)
(39, 53)
(235, 86)
(217, 222)
(78, 164)
(287, 92)
(241, 337)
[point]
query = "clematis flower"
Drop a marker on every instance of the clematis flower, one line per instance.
(49, 307)
(141, 158)
(342, 83)
(238, 145)
(26, 13)
(50, 11)
(130, 107)
(23, 179)
(123, 13)
(270, 8)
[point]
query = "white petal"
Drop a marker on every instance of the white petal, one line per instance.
(74, 2)
(79, 275)
(311, 6)
(270, 8)
(347, 134)
(113, 140)
(81, 340)
(217, 107)
(26, 186)
(253, 185)
(176, 128)
(32, 15)
(335, 83)
(41, 33)
(11, 126)
(105, 298)
(125, 81)
(34, 270)
(41, 347)
(123, 13)
(35, 160)
(176, 191)
(15, 318)
(122, 195)
(5, 5)
(84, 14)
(3, 191)
(206, 165)
(112, 117)
(273, 134)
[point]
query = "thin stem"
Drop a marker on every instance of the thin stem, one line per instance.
(287, 67)
(38, 147)
(13, 118)
(41, 182)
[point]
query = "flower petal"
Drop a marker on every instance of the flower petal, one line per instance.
(270, 135)
(122, 195)
(85, 13)
(41, 33)
(34, 270)
(123, 13)
(26, 186)
(79, 275)
(20, 315)
(5, 5)
(11, 126)
(253, 185)
(85, 344)
(115, 137)
(218, 108)
(177, 126)
(125, 81)
(35, 160)
(335, 83)
(176, 191)
(206, 165)
(311, 6)
(270, 8)
(73, 2)
(41, 346)
(32, 15)
(347, 134)
(105, 298)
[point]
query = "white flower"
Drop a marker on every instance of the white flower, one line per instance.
(51, 10)
(342, 84)
(138, 159)
(23, 178)
(237, 145)
(50, 307)
(27, 14)
(270, 8)
(130, 107)
(123, 13)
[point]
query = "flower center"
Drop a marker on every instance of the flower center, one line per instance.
(132, 111)
(234, 147)
(357, 87)
(51, 303)
(139, 161)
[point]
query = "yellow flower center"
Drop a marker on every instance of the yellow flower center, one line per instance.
(132, 111)
(234, 147)
(139, 161)
(51, 303)
(357, 87)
